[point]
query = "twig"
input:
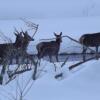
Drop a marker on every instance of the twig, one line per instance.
(79, 63)
(26, 85)
(65, 61)
(10, 94)
(77, 42)
(5, 37)
(72, 40)
(31, 25)
(20, 72)
(59, 75)
(28, 89)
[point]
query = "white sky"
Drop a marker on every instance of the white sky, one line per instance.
(47, 8)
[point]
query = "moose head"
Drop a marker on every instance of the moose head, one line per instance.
(58, 37)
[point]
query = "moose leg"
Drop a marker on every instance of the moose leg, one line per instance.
(96, 52)
(2, 72)
(50, 57)
(17, 59)
(57, 58)
(38, 55)
(84, 53)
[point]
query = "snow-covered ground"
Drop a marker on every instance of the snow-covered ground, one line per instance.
(82, 84)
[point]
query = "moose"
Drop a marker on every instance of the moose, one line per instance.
(25, 42)
(90, 40)
(5, 48)
(50, 48)
(8, 51)
(21, 43)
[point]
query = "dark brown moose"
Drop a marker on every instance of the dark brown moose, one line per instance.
(25, 42)
(8, 51)
(90, 40)
(49, 48)
(5, 48)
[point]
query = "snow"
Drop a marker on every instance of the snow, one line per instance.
(81, 85)
(72, 18)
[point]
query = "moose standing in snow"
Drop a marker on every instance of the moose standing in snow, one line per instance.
(90, 40)
(49, 48)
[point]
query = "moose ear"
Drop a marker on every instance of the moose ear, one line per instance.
(21, 33)
(22, 30)
(60, 33)
(55, 34)
(26, 32)
(16, 34)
